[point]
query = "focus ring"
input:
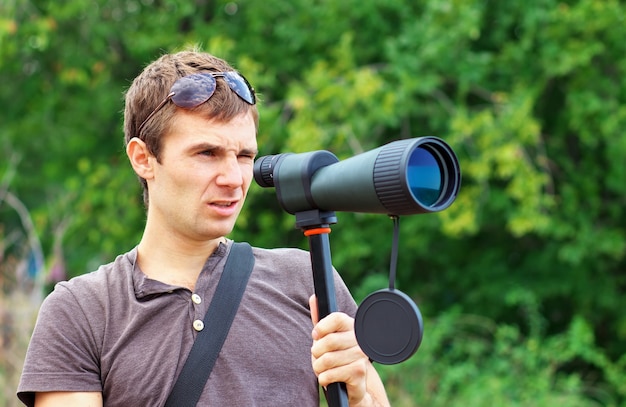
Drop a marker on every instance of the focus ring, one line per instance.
(389, 179)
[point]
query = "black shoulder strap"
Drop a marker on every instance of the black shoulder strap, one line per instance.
(217, 322)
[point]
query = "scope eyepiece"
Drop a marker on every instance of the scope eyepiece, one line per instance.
(264, 169)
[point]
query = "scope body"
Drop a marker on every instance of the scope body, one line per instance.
(410, 176)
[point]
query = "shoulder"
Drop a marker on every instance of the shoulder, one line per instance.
(285, 271)
(291, 270)
(284, 258)
(95, 287)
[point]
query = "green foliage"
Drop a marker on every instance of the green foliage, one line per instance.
(531, 95)
(469, 360)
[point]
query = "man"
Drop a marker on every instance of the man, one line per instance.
(119, 336)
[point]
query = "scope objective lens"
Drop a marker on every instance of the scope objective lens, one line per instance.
(424, 176)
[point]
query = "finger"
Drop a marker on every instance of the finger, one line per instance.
(354, 375)
(328, 356)
(335, 322)
(313, 307)
(338, 341)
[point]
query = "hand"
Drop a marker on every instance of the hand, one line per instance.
(337, 357)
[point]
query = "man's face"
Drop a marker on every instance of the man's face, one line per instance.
(205, 170)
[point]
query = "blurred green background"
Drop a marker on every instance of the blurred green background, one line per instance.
(521, 282)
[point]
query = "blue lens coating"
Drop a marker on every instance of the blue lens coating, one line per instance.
(193, 90)
(240, 86)
(424, 176)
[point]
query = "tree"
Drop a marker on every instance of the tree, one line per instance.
(531, 96)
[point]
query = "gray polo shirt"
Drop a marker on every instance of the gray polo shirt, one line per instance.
(116, 331)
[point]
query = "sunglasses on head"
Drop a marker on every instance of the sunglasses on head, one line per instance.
(193, 90)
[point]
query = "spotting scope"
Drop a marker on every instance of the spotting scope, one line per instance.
(404, 177)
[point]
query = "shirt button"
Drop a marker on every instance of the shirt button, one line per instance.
(196, 298)
(198, 325)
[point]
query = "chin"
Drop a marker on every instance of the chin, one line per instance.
(221, 231)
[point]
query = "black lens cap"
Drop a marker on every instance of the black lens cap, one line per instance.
(388, 326)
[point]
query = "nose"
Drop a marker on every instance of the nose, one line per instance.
(230, 173)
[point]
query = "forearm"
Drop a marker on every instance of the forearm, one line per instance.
(68, 399)
(370, 401)
(375, 395)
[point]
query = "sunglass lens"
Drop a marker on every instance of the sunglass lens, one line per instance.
(240, 86)
(193, 90)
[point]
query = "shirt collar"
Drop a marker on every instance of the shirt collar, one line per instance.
(146, 287)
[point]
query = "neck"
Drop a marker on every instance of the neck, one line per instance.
(174, 259)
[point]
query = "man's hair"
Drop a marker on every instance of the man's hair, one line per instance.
(153, 85)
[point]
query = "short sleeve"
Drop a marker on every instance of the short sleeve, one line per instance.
(63, 354)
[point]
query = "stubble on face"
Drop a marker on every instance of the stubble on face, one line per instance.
(203, 176)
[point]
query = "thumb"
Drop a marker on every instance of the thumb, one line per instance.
(313, 307)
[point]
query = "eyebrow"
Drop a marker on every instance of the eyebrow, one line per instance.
(215, 147)
(249, 151)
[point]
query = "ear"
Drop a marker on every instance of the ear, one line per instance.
(140, 158)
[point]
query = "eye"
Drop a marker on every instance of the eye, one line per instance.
(247, 155)
(208, 153)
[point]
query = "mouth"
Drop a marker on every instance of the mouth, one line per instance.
(227, 204)
(225, 207)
